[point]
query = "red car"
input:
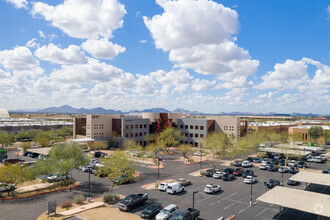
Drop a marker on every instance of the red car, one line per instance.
(238, 172)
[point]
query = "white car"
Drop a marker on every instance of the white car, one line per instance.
(99, 165)
(162, 187)
(292, 163)
(212, 188)
(283, 170)
(246, 163)
(167, 212)
(318, 159)
(94, 161)
(310, 159)
(218, 175)
(199, 153)
(323, 157)
(249, 179)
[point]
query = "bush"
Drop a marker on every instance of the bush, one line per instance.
(109, 197)
(79, 199)
(232, 163)
(202, 173)
(66, 204)
(191, 161)
(156, 185)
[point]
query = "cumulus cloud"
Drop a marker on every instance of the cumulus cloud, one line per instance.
(102, 48)
(199, 35)
(41, 34)
(83, 19)
(32, 43)
(54, 54)
(202, 84)
(19, 3)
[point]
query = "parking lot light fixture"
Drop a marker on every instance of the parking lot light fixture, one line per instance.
(282, 180)
(89, 184)
(200, 162)
(251, 203)
(193, 201)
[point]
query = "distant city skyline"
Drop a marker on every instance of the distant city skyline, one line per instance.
(201, 55)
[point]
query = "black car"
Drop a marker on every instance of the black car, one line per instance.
(151, 211)
(293, 183)
(272, 183)
(293, 170)
(189, 214)
(248, 173)
(325, 171)
(229, 170)
(97, 154)
(210, 172)
(227, 176)
(123, 179)
(272, 168)
(33, 155)
(302, 164)
(250, 159)
(281, 162)
(274, 161)
(132, 200)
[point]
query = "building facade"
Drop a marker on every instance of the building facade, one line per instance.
(193, 129)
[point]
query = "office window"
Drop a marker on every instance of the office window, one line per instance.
(191, 127)
(186, 126)
(140, 125)
(202, 127)
(196, 127)
(145, 126)
(196, 144)
(202, 135)
(140, 134)
(191, 135)
(196, 135)
(145, 133)
(181, 126)
(191, 143)
(186, 134)
(132, 126)
(131, 134)
(127, 126)
(136, 134)
(136, 126)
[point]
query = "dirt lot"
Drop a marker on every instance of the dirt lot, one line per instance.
(104, 213)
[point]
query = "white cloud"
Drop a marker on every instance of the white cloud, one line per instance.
(328, 9)
(145, 85)
(32, 43)
(143, 41)
(19, 3)
(54, 54)
(286, 76)
(199, 35)
(83, 19)
(102, 48)
(202, 84)
(41, 34)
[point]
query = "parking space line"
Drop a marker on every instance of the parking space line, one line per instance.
(204, 198)
(263, 210)
(223, 199)
(236, 202)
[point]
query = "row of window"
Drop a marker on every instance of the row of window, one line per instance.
(228, 128)
(191, 143)
(192, 135)
(135, 134)
(98, 135)
(136, 126)
(99, 126)
(192, 127)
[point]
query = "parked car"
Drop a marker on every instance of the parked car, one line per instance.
(229, 170)
(151, 211)
(210, 172)
(94, 161)
(188, 214)
(88, 167)
(247, 163)
(302, 164)
(325, 171)
(323, 148)
(281, 162)
(132, 200)
(167, 212)
(123, 179)
(323, 157)
(293, 183)
(272, 183)
(199, 153)
(98, 154)
(272, 168)
(250, 179)
(274, 161)
(183, 182)
(265, 160)
(218, 175)
(248, 173)
(250, 159)
(173, 188)
(256, 160)
(263, 166)
(228, 177)
(283, 170)
(212, 188)
(238, 171)
(292, 163)
(238, 163)
(33, 155)
(293, 170)
(162, 187)
(318, 159)
(310, 159)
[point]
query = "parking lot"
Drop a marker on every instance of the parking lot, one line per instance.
(233, 199)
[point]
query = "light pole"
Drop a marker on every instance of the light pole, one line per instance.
(200, 162)
(282, 179)
(193, 201)
(158, 169)
(251, 196)
(89, 184)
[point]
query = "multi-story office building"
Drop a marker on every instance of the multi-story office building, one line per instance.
(193, 129)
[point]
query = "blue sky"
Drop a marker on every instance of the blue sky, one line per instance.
(210, 56)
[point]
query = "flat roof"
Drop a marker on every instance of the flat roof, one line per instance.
(89, 139)
(325, 127)
(43, 151)
(312, 177)
(306, 201)
(282, 151)
(310, 148)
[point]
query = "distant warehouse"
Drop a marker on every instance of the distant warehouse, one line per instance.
(16, 125)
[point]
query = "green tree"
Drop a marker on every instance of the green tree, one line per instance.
(315, 132)
(169, 137)
(116, 165)
(42, 138)
(219, 146)
(327, 137)
(296, 137)
(131, 145)
(154, 148)
(6, 138)
(97, 146)
(185, 149)
(62, 160)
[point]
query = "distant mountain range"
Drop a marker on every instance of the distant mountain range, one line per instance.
(66, 109)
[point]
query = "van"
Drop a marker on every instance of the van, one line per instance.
(173, 188)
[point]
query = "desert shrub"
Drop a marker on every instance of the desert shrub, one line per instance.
(191, 161)
(157, 184)
(66, 204)
(202, 173)
(231, 163)
(78, 199)
(109, 197)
